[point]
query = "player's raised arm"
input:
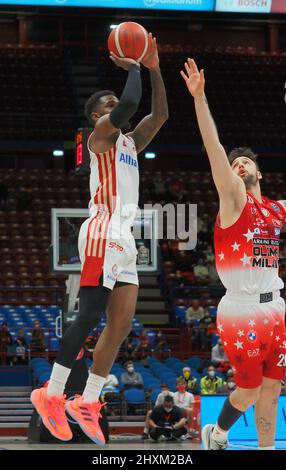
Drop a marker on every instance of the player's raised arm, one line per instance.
(224, 178)
(146, 130)
(109, 123)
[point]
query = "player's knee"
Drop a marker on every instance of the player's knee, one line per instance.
(122, 326)
(271, 388)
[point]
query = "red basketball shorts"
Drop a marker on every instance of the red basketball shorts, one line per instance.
(254, 337)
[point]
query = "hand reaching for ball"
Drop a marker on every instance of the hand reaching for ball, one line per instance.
(122, 62)
(151, 59)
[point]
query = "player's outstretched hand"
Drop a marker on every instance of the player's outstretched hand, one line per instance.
(122, 62)
(194, 79)
(151, 59)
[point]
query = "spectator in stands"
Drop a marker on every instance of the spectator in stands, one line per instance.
(5, 342)
(184, 400)
(110, 387)
(38, 338)
(167, 420)
(201, 272)
(161, 344)
(219, 358)
(165, 391)
(129, 350)
(191, 383)
(211, 382)
(144, 345)
(228, 387)
(130, 378)
(208, 327)
(195, 312)
(21, 348)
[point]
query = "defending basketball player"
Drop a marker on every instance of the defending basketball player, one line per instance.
(250, 316)
(109, 281)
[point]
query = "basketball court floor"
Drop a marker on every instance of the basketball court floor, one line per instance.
(124, 443)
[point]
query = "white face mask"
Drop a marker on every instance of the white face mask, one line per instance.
(211, 373)
(130, 369)
(168, 409)
(165, 393)
(231, 385)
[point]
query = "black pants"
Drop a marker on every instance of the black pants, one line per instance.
(155, 433)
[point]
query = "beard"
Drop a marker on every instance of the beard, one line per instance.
(249, 180)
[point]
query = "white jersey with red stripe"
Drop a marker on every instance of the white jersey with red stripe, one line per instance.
(247, 252)
(114, 181)
(106, 245)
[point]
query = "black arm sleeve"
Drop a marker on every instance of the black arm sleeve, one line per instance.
(129, 99)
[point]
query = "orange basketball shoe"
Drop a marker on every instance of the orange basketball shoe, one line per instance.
(52, 411)
(87, 416)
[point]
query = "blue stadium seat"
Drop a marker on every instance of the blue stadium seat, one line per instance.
(195, 362)
(154, 395)
(134, 396)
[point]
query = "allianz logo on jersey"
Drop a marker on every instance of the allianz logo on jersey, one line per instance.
(128, 160)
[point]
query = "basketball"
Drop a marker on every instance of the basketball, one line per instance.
(129, 40)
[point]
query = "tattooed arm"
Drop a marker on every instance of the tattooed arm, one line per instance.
(146, 130)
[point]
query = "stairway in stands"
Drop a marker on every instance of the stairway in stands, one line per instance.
(151, 309)
(15, 410)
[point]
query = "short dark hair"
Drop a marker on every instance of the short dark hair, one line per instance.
(168, 399)
(243, 152)
(90, 105)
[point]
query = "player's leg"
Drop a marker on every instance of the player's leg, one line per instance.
(215, 437)
(266, 412)
(120, 311)
(50, 401)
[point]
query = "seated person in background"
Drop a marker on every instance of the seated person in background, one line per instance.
(191, 383)
(143, 346)
(211, 382)
(129, 350)
(130, 378)
(228, 387)
(184, 400)
(167, 420)
(21, 348)
(161, 342)
(165, 391)
(219, 358)
(38, 338)
(110, 393)
(111, 384)
(201, 272)
(194, 312)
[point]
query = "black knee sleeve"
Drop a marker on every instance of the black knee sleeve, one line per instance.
(92, 305)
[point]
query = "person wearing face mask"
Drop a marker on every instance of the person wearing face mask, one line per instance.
(184, 400)
(211, 382)
(191, 383)
(228, 387)
(130, 378)
(167, 420)
(159, 401)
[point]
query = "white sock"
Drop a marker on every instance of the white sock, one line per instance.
(267, 448)
(93, 388)
(219, 435)
(58, 380)
(146, 430)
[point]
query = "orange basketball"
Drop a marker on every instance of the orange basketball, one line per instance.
(129, 40)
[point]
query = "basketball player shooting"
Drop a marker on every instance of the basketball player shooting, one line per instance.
(109, 281)
(250, 316)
